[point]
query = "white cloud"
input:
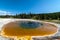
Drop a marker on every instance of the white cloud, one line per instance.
(5, 13)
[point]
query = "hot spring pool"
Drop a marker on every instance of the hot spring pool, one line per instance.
(26, 27)
(29, 24)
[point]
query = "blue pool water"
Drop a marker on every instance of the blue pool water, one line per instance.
(30, 24)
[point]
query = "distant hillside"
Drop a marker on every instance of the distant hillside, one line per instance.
(45, 16)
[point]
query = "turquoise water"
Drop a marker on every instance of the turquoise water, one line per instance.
(30, 24)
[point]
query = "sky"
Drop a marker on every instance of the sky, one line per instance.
(25, 6)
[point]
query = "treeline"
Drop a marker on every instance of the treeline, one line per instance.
(44, 16)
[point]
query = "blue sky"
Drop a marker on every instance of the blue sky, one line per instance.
(34, 6)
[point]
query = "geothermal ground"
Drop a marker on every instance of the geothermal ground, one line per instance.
(6, 20)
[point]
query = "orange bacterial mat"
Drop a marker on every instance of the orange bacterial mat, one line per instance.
(28, 28)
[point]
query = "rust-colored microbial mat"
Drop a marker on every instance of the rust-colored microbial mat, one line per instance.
(14, 29)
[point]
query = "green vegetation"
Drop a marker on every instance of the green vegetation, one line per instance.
(43, 16)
